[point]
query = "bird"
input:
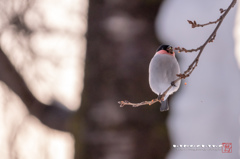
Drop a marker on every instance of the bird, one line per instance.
(163, 70)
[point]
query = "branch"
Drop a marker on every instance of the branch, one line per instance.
(122, 103)
(195, 24)
(54, 116)
(194, 64)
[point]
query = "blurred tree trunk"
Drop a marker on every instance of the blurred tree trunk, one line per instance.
(121, 42)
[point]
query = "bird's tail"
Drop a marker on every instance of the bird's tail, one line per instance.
(164, 106)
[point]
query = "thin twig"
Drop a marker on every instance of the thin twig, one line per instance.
(123, 103)
(195, 24)
(194, 64)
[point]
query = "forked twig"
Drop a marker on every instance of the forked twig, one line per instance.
(194, 64)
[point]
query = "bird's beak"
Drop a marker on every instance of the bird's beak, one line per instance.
(170, 49)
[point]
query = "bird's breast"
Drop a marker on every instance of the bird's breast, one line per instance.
(162, 71)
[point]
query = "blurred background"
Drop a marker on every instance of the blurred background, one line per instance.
(64, 65)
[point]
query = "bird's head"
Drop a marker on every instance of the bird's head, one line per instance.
(167, 48)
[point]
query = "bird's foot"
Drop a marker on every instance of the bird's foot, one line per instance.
(173, 84)
(159, 97)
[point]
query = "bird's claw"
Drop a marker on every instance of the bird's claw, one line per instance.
(173, 84)
(159, 97)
